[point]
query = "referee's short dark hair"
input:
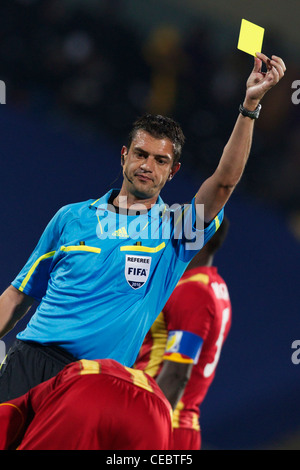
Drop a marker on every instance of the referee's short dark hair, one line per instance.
(160, 127)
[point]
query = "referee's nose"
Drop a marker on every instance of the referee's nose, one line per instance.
(148, 164)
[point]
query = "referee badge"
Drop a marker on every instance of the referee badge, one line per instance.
(137, 269)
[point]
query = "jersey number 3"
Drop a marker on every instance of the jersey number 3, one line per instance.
(209, 368)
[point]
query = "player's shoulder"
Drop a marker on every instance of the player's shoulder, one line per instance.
(196, 278)
(204, 281)
(194, 286)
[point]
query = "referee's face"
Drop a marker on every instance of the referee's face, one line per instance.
(147, 165)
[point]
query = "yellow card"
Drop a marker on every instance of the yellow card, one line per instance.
(250, 38)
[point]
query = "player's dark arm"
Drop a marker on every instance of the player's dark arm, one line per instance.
(216, 190)
(13, 306)
(172, 380)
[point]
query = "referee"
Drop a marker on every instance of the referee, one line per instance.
(103, 269)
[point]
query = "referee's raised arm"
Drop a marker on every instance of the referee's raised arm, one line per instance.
(216, 190)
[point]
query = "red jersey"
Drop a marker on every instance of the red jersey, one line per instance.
(200, 304)
(89, 405)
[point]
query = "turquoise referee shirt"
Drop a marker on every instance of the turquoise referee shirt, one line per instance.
(103, 277)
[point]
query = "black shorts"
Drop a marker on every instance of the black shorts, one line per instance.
(27, 364)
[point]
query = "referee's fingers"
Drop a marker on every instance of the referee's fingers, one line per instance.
(279, 61)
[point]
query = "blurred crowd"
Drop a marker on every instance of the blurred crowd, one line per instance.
(98, 72)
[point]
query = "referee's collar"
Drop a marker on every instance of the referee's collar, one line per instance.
(100, 205)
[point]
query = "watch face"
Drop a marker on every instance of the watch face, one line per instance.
(251, 114)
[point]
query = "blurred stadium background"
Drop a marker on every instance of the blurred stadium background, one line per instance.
(77, 73)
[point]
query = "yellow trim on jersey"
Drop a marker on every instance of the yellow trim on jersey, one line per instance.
(3, 362)
(194, 424)
(181, 216)
(22, 416)
(200, 277)
(89, 367)
(146, 249)
(177, 357)
(217, 222)
(32, 269)
(92, 249)
(101, 229)
(139, 378)
(216, 219)
(95, 201)
(145, 226)
(159, 335)
(162, 214)
(176, 414)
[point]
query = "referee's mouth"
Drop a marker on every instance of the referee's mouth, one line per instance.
(143, 177)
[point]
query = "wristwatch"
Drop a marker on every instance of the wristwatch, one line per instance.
(251, 114)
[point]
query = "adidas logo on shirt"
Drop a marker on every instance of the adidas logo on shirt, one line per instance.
(122, 233)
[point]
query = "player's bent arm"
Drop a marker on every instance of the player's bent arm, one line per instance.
(13, 306)
(172, 380)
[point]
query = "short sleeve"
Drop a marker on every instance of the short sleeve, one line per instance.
(189, 237)
(34, 276)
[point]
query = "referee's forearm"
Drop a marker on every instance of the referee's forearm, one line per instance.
(236, 152)
(13, 306)
(216, 190)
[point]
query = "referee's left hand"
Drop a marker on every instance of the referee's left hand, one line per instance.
(260, 82)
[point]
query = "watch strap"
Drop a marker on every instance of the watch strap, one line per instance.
(251, 114)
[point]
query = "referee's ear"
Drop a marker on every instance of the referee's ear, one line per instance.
(175, 168)
(123, 154)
